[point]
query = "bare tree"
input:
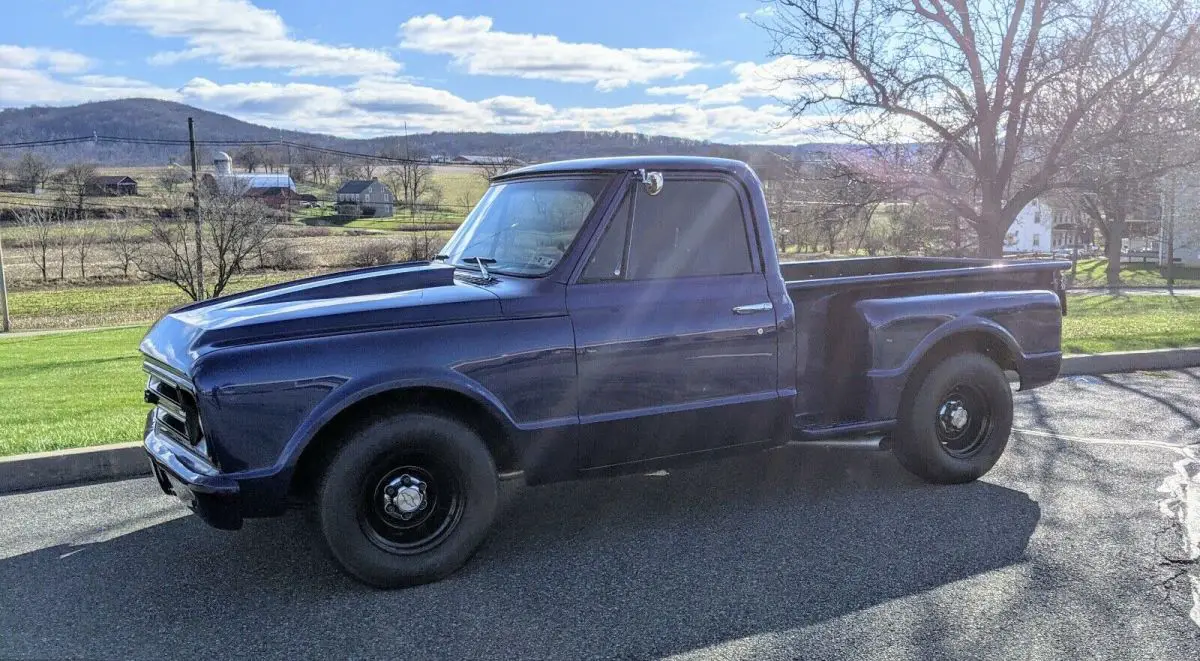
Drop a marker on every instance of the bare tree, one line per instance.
(298, 172)
(249, 156)
(349, 170)
(424, 242)
(411, 181)
(368, 168)
(5, 169)
(322, 167)
(75, 179)
(1120, 181)
(173, 177)
(125, 243)
(32, 171)
(1006, 91)
(40, 225)
(84, 236)
(493, 167)
(234, 228)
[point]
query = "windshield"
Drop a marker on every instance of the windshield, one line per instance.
(524, 227)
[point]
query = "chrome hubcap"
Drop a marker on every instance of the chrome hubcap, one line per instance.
(953, 416)
(404, 496)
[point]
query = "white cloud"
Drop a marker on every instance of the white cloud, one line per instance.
(41, 76)
(478, 49)
(760, 13)
(751, 80)
(387, 107)
(678, 90)
(23, 87)
(61, 61)
(237, 34)
(772, 80)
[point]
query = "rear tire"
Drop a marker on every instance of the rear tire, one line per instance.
(955, 424)
(407, 499)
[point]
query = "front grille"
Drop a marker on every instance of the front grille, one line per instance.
(175, 407)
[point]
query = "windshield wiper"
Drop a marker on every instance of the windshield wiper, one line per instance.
(481, 262)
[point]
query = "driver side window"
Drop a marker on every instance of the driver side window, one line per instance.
(608, 258)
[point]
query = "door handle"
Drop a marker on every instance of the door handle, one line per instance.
(754, 308)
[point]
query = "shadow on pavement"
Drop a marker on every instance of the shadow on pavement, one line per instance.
(636, 566)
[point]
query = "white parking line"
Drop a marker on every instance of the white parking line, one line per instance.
(1105, 441)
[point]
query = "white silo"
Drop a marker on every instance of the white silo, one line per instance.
(222, 163)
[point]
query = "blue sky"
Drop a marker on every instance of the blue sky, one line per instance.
(692, 68)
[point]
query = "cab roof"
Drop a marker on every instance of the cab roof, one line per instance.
(627, 163)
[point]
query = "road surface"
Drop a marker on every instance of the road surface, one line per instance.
(795, 553)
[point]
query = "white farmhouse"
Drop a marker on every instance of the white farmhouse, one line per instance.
(1032, 231)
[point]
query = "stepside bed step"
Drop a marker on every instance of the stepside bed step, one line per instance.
(856, 435)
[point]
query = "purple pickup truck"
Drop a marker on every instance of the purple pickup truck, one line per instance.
(588, 318)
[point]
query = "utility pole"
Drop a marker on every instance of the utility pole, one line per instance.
(287, 170)
(1171, 235)
(4, 322)
(196, 207)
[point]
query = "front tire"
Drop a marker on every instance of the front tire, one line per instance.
(407, 499)
(955, 424)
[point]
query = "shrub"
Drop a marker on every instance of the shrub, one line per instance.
(283, 256)
(375, 253)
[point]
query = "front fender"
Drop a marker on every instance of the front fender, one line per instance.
(356, 390)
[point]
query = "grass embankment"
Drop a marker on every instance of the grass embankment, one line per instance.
(1091, 273)
(1102, 322)
(69, 390)
(78, 389)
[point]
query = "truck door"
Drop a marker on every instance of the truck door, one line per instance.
(675, 335)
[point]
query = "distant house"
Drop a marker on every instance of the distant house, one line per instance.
(1031, 230)
(111, 185)
(359, 198)
(469, 159)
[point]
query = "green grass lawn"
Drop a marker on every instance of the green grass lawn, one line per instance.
(1102, 322)
(111, 305)
(69, 390)
(1091, 273)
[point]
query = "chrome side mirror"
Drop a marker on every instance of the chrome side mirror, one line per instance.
(653, 181)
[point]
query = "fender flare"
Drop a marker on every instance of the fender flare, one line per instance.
(357, 390)
(957, 327)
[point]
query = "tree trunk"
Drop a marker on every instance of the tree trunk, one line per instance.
(991, 239)
(1112, 250)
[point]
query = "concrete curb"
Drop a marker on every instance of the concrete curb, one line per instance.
(1130, 361)
(41, 470)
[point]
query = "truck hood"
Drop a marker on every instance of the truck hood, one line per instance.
(377, 298)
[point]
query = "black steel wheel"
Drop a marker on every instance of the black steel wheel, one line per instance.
(963, 421)
(411, 507)
(955, 422)
(407, 499)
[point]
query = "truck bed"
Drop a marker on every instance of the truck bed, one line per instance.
(831, 331)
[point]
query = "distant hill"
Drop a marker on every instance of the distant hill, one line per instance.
(154, 119)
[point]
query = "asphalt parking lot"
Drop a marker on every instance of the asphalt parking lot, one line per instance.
(1060, 552)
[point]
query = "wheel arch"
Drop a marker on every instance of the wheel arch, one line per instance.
(991, 342)
(484, 417)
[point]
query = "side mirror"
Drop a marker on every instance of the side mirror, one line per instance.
(653, 181)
